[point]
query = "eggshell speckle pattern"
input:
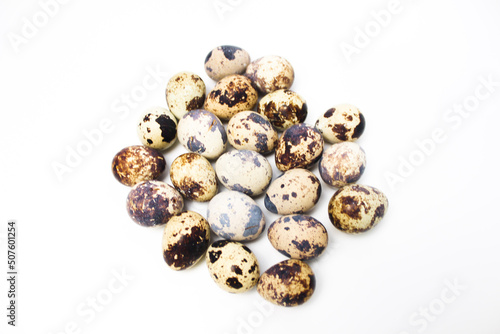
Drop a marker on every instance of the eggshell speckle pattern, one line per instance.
(270, 73)
(153, 203)
(185, 92)
(288, 283)
(231, 95)
(248, 130)
(200, 131)
(138, 163)
(185, 240)
(245, 171)
(157, 128)
(342, 123)
(298, 236)
(295, 191)
(232, 266)
(283, 108)
(357, 208)
(235, 216)
(342, 163)
(226, 60)
(300, 146)
(193, 176)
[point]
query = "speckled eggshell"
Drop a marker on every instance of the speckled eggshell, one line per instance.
(300, 146)
(157, 128)
(231, 95)
(270, 73)
(226, 60)
(232, 266)
(246, 171)
(185, 240)
(249, 130)
(185, 92)
(342, 163)
(201, 132)
(193, 176)
(357, 208)
(288, 283)
(235, 216)
(298, 236)
(295, 191)
(138, 163)
(283, 108)
(153, 203)
(342, 123)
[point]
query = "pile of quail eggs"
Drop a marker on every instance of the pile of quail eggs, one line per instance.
(196, 120)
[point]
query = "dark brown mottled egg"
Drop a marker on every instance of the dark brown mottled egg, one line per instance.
(249, 130)
(157, 128)
(138, 163)
(283, 108)
(270, 73)
(225, 60)
(342, 123)
(185, 92)
(342, 163)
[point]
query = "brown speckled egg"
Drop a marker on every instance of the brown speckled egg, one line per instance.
(270, 73)
(248, 130)
(231, 95)
(157, 128)
(232, 266)
(357, 208)
(138, 163)
(295, 191)
(288, 283)
(185, 240)
(226, 60)
(153, 203)
(342, 163)
(342, 123)
(298, 236)
(185, 92)
(300, 146)
(283, 108)
(193, 176)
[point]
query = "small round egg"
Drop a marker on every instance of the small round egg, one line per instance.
(249, 130)
(295, 191)
(300, 146)
(138, 163)
(185, 92)
(225, 60)
(357, 208)
(201, 132)
(231, 95)
(152, 203)
(342, 123)
(245, 171)
(232, 266)
(157, 128)
(185, 240)
(298, 236)
(235, 216)
(270, 73)
(342, 163)
(283, 108)
(288, 283)
(194, 177)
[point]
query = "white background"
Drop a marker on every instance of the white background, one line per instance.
(75, 235)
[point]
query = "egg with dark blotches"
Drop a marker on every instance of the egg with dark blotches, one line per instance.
(235, 216)
(270, 73)
(185, 240)
(295, 191)
(283, 108)
(298, 236)
(194, 177)
(157, 128)
(342, 123)
(153, 203)
(249, 130)
(185, 92)
(233, 266)
(300, 146)
(342, 163)
(357, 208)
(225, 60)
(246, 171)
(200, 131)
(138, 163)
(288, 283)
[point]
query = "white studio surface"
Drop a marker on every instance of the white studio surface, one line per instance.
(426, 75)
